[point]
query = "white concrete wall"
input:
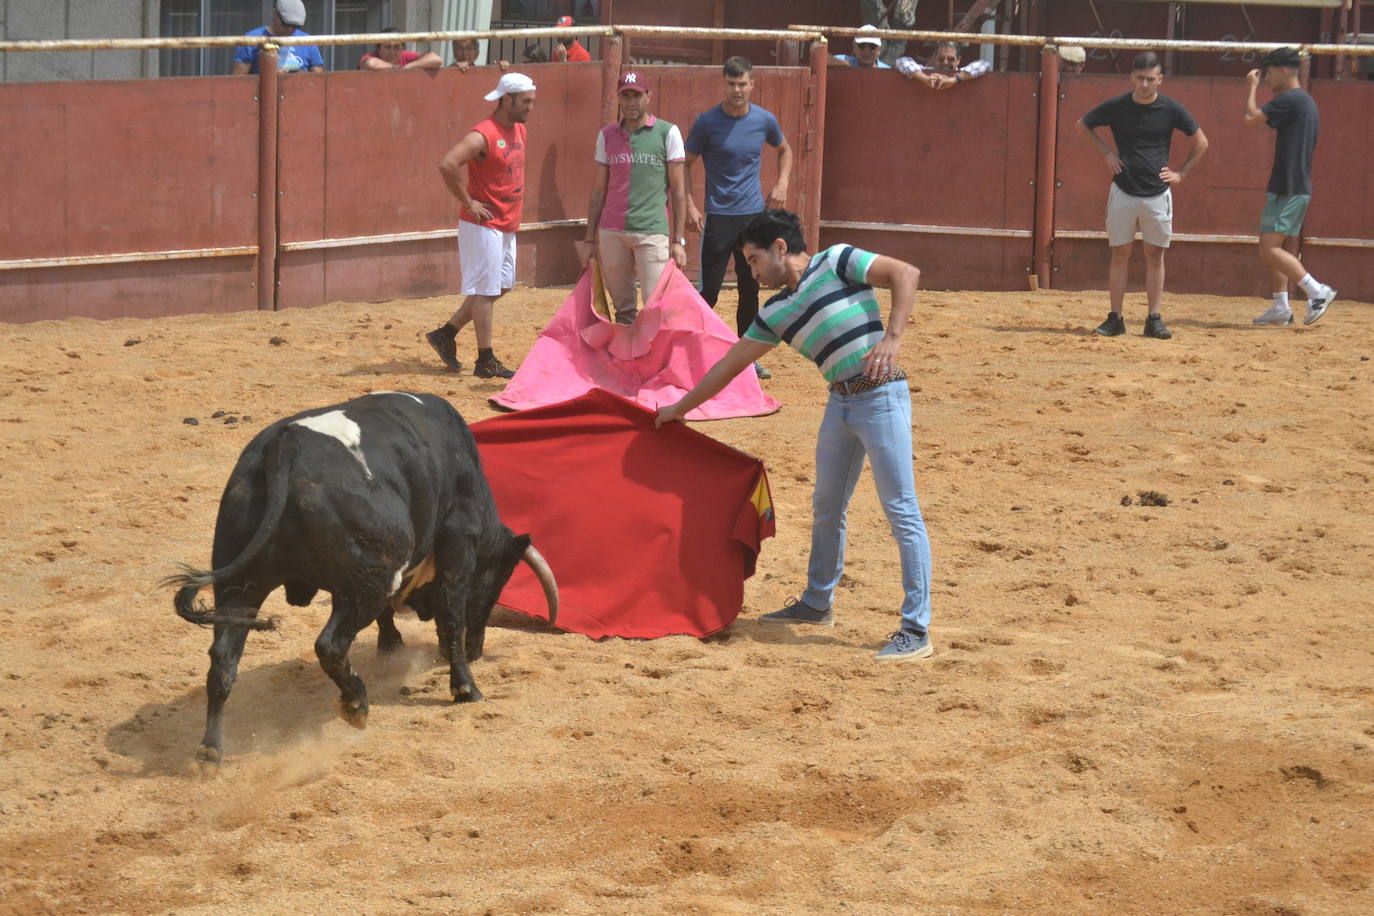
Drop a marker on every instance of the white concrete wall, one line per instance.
(38, 19)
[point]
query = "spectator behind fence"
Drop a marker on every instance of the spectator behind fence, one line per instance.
(534, 54)
(866, 48)
(639, 181)
(943, 71)
(567, 49)
(466, 52)
(287, 18)
(1071, 59)
(392, 55)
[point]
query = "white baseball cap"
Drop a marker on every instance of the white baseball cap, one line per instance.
(510, 84)
(868, 39)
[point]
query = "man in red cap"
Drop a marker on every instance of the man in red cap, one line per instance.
(640, 159)
(567, 49)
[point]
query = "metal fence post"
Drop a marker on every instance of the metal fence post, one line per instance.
(1045, 166)
(267, 178)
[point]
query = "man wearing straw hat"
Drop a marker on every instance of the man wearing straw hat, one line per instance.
(486, 173)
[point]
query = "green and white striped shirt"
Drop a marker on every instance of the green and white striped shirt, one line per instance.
(831, 318)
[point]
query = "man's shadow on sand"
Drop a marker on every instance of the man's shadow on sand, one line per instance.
(1085, 331)
(279, 707)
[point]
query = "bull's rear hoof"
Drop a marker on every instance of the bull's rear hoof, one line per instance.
(355, 713)
(467, 697)
(208, 759)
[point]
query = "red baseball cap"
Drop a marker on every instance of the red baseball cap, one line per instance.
(632, 81)
(564, 22)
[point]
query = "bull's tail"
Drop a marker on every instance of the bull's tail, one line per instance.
(280, 456)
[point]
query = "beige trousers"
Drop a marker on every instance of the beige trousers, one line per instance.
(626, 256)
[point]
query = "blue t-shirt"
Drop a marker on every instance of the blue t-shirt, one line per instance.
(854, 62)
(731, 148)
(289, 57)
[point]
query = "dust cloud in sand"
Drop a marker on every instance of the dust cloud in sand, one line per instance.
(1152, 688)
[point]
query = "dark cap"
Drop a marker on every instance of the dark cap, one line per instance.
(1282, 57)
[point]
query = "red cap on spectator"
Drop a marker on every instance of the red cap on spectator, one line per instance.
(564, 22)
(632, 81)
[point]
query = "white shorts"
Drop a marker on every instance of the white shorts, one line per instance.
(1153, 216)
(486, 258)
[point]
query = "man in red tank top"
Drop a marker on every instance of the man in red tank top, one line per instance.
(486, 173)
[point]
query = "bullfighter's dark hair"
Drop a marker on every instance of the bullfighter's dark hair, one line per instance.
(771, 225)
(1281, 57)
(1147, 60)
(737, 67)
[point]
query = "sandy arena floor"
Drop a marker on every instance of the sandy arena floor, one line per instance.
(1141, 709)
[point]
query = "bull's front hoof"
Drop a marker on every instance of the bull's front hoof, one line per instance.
(467, 696)
(208, 759)
(355, 713)
(387, 644)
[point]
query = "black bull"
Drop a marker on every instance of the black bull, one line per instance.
(379, 501)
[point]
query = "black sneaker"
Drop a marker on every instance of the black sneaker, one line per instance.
(491, 368)
(1154, 327)
(1114, 326)
(443, 342)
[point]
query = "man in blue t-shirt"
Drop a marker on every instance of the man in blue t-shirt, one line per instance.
(729, 141)
(1292, 113)
(287, 18)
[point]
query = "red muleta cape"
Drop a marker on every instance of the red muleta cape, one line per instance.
(649, 532)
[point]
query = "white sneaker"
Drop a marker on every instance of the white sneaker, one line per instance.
(1275, 314)
(1317, 305)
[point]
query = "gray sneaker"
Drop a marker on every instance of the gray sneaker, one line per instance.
(798, 611)
(905, 645)
(1317, 305)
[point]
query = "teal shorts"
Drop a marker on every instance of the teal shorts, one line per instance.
(1283, 213)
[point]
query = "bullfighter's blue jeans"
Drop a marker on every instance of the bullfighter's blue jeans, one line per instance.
(876, 423)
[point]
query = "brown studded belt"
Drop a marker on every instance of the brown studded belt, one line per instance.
(864, 383)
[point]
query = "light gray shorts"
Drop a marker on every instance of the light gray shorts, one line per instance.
(1153, 217)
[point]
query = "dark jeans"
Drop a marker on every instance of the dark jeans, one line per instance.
(718, 242)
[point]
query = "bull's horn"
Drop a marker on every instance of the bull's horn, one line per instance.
(541, 569)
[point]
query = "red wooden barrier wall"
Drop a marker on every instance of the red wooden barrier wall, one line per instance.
(121, 166)
(898, 153)
(150, 165)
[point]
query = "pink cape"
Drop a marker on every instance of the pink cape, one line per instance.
(653, 362)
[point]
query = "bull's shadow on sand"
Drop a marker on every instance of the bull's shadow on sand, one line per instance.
(283, 706)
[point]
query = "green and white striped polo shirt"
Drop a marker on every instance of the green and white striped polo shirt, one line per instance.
(831, 318)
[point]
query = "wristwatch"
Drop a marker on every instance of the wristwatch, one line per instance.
(680, 241)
